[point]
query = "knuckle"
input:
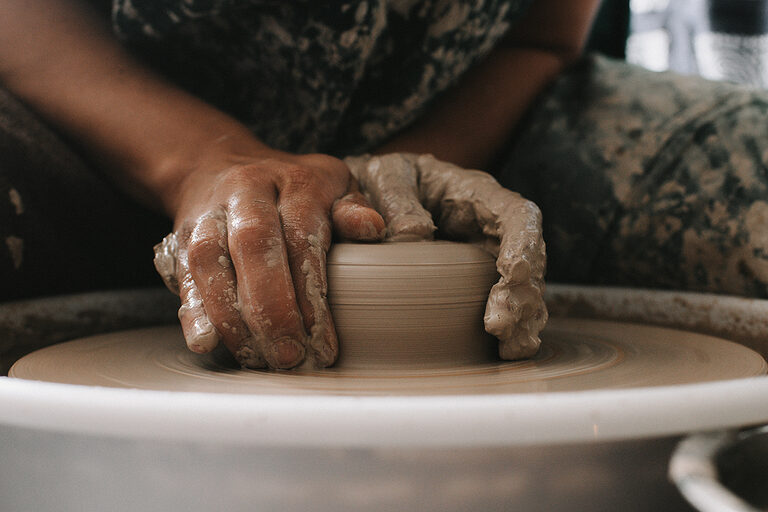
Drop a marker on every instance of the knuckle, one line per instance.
(251, 230)
(203, 250)
(298, 236)
(294, 233)
(300, 178)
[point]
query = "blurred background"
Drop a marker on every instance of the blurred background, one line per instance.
(717, 39)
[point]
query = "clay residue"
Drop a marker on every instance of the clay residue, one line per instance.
(16, 250)
(166, 263)
(733, 318)
(15, 198)
(199, 332)
(321, 343)
(248, 357)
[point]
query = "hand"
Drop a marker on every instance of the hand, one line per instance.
(411, 190)
(248, 252)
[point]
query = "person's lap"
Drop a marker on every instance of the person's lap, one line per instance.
(648, 179)
(63, 227)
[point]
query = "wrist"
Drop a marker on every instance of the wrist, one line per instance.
(211, 151)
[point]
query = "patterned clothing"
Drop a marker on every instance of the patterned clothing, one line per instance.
(64, 227)
(644, 179)
(648, 179)
(336, 77)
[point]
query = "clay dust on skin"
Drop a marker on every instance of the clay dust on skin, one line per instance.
(15, 199)
(203, 337)
(16, 250)
(15, 244)
(316, 290)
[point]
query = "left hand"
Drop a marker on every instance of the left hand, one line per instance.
(248, 251)
(413, 192)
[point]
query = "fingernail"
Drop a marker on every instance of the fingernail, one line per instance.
(285, 353)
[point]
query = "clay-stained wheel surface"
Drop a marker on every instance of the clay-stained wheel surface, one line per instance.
(409, 318)
(576, 355)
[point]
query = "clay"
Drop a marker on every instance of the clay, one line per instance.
(411, 304)
(166, 263)
(15, 198)
(15, 247)
(320, 354)
(390, 183)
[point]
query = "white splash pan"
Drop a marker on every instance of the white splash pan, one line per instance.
(159, 450)
(338, 421)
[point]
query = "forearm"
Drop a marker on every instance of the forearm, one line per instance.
(472, 121)
(62, 61)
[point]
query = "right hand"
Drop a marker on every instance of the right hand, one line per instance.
(248, 253)
(418, 194)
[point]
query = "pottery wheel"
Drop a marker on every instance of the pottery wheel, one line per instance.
(576, 355)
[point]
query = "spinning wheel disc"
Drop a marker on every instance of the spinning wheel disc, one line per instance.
(576, 355)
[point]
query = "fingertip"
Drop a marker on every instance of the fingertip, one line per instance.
(200, 334)
(355, 220)
(324, 348)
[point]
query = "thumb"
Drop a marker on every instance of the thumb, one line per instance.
(354, 219)
(391, 183)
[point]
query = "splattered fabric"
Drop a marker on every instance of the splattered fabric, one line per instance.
(645, 179)
(337, 77)
(64, 227)
(648, 179)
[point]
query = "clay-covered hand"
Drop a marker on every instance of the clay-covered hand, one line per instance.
(248, 253)
(417, 194)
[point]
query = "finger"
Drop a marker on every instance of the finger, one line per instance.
(214, 276)
(166, 253)
(199, 332)
(264, 285)
(391, 183)
(355, 219)
(516, 312)
(472, 203)
(307, 239)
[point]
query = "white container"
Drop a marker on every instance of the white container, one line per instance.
(81, 448)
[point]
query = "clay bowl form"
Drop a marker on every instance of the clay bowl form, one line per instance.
(410, 304)
(494, 442)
